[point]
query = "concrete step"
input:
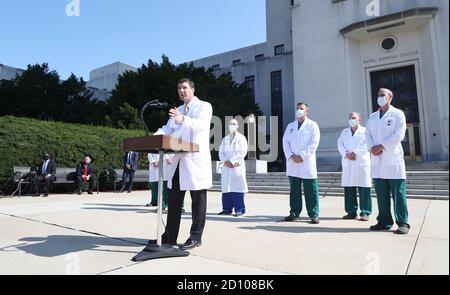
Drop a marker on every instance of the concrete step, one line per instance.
(341, 195)
(410, 184)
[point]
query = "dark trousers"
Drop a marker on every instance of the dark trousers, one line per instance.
(41, 179)
(79, 182)
(127, 174)
(176, 200)
(232, 201)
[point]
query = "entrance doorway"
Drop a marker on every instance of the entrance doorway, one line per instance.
(402, 82)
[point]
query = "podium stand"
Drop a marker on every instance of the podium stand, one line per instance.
(159, 144)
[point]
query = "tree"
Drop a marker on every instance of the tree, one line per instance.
(39, 93)
(159, 81)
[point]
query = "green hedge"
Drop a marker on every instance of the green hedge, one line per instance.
(24, 140)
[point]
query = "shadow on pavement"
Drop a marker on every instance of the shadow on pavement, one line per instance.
(309, 229)
(56, 245)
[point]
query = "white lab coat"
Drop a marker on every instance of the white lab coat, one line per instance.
(304, 143)
(153, 171)
(234, 150)
(195, 168)
(355, 173)
(388, 131)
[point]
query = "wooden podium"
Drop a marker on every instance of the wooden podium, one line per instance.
(159, 144)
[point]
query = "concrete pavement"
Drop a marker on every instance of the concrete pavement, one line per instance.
(99, 234)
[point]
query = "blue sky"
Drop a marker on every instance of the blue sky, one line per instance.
(133, 31)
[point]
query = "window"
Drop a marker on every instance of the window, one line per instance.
(276, 95)
(250, 82)
(259, 57)
(216, 67)
(236, 61)
(388, 43)
(279, 49)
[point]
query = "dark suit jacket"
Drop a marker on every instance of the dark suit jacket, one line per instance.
(133, 161)
(80, 169)
(51, 169)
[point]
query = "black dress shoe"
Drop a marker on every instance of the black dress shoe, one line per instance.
(90, 193)
(190, 244)
(291, 217)
(224, 213)
(379, 227)
(45, 195)
(78, 192)
(350, 216)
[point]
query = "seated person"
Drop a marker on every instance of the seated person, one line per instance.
(46, 174)
(85, 174)
(32, 177)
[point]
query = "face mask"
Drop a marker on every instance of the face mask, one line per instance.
(382, 101)
(232, 128)
(300, 113)
(353, 123)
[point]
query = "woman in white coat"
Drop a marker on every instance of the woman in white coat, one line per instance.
(153, 160)
(234, 184)
(355, 169)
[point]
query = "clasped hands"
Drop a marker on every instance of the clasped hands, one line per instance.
(230, 165)
(156, 164)
(377, 150)
(297, 159)
(351, 156)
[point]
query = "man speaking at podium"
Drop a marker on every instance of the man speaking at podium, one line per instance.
(190, 171)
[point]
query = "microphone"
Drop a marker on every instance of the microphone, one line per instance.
(155, 104)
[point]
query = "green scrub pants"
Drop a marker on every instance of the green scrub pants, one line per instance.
(154, 188)
(351, 200)
(311, 190)
(385, 188)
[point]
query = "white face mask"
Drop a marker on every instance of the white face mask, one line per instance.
(353, 122)
(382, 101)
(232, 128)
(300, 113)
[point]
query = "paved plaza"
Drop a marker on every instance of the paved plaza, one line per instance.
(99, 234)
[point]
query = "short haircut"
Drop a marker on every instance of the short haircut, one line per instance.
(187, 80)
(305, 104)
(388, 91)
(358, 114)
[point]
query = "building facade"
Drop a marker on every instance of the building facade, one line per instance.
(344, 51)
(103, 80)
(9, 73)
(336, 54)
